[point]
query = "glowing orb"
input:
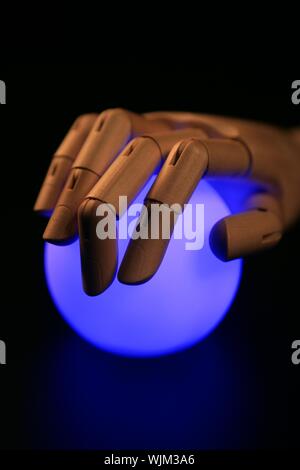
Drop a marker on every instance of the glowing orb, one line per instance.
(179, 306)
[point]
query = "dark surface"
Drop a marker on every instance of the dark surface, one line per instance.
(236, 390)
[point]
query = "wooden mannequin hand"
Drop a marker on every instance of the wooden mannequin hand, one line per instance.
(92, 167)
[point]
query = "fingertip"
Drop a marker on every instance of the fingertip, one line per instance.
(142, 260)
(61, 228)
(218, 240)
(95, 280)
(99, 257)
(46, 200)
(135, 269)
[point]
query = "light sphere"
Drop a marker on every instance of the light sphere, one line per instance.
(185, 300)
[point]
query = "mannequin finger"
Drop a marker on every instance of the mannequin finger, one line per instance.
(258, 228)
(109, 135)
(62, 161)
(125, 177)
(185, 166)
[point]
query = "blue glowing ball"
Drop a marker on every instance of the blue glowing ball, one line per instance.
(179, 306)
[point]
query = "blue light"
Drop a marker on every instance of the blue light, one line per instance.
(179, 306)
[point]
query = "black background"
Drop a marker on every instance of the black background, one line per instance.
(235, 390)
